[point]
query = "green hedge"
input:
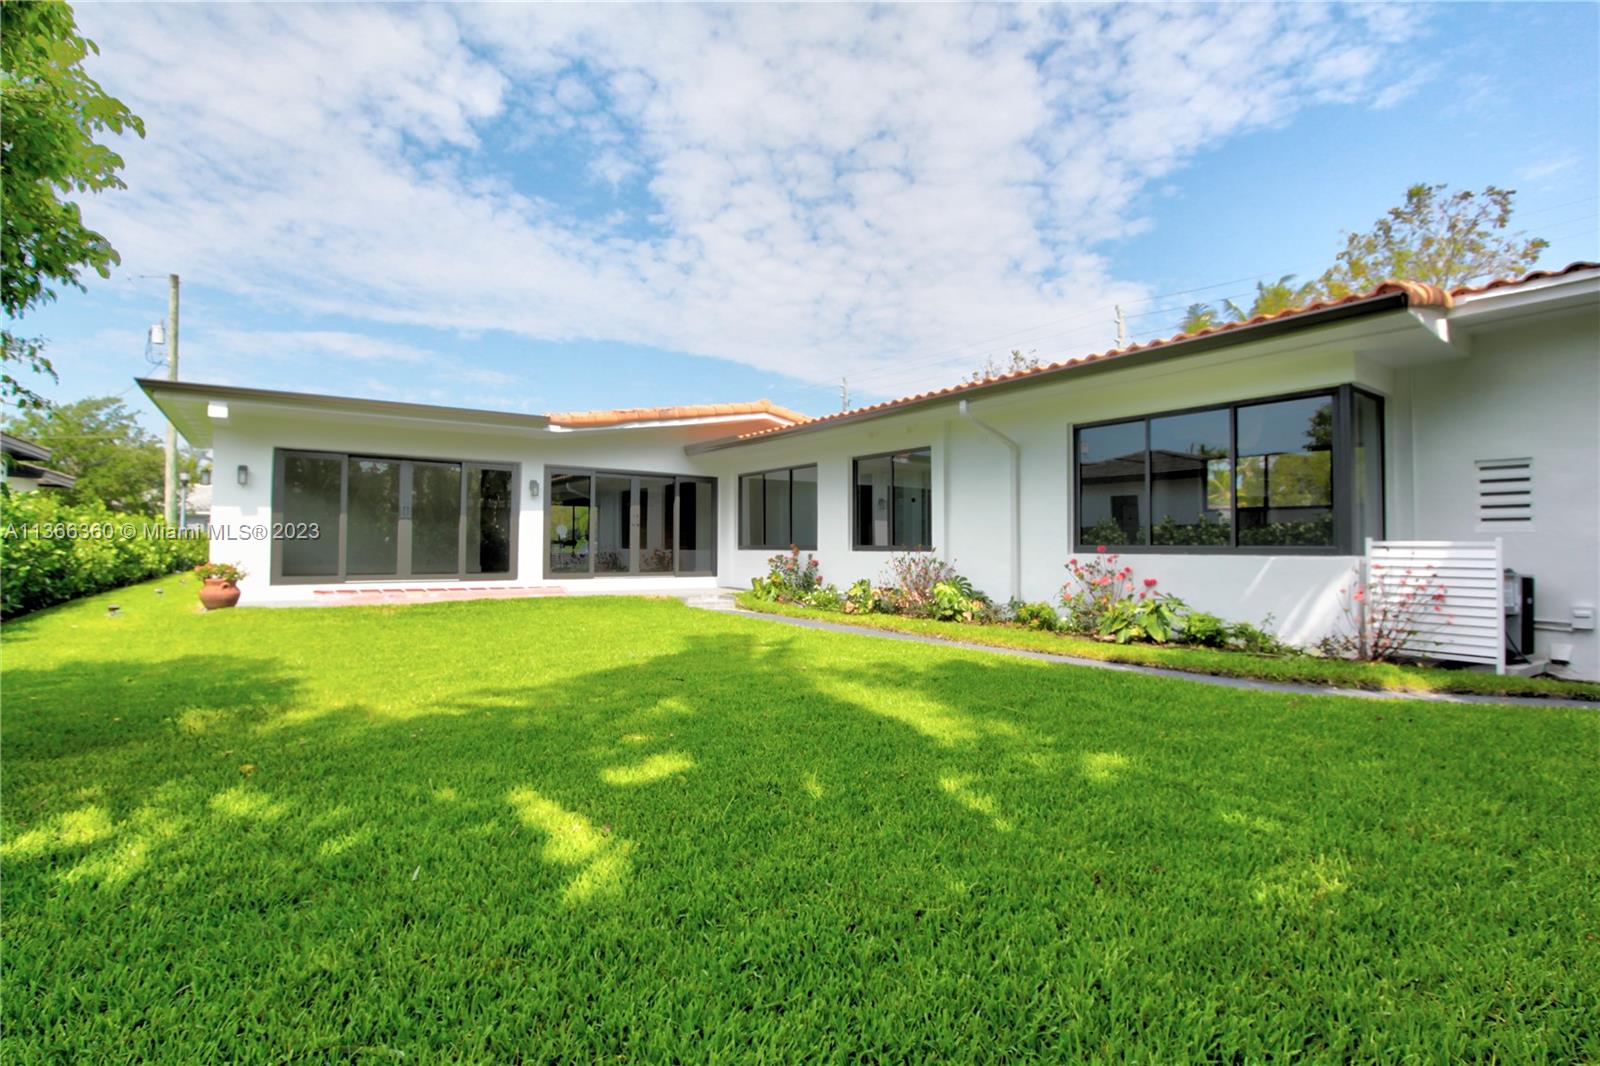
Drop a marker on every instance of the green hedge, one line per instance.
(51, 552)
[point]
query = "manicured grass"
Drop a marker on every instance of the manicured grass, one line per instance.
(1297, 669)
(624, 830)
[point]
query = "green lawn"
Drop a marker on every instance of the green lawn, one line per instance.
(1287, 669)
(616, 830)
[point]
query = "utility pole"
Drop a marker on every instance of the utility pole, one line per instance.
(844, 394)
(1122, 329)
(169, 480)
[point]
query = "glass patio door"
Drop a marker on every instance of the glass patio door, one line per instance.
(384, 518)
(618, 524)
(432, 517)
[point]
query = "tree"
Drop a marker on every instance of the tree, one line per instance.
(50, 111)
(1017, 364)
(1439, 237)
(1272, 299)
(101, 443)
(1199, 317)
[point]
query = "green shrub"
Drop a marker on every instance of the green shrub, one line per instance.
(1206, 630)
(54, 551)
(950, 603)
(1258, 640)
(1040, 616)
(860, 598)
(825, 598)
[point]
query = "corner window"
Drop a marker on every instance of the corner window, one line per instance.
(893, 500)
(1297, 474)
(778, 508)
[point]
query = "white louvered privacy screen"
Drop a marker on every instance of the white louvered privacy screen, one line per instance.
(1505, 493)
(1471, 628)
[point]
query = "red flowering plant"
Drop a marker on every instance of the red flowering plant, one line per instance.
(1104, 599)
(1394, 614)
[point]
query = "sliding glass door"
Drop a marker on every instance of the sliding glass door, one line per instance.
(601, 523)
(367, 518)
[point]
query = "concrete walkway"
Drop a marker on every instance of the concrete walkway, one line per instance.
(1247, 684)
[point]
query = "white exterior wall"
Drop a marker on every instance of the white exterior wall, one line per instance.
(972, 486)
(249, 438)
(1530, 389)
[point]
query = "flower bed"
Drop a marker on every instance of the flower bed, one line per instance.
(1110, 614)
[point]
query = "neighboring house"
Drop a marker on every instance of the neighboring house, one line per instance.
(23, 469)
(1244, 467)
(197, 505)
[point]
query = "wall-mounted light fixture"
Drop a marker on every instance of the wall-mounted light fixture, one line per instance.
(244, 474)
(216, 410)
(533, 488)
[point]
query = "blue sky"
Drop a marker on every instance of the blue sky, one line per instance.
(563, 208)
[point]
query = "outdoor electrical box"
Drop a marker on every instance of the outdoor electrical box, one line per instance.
(1519, 616)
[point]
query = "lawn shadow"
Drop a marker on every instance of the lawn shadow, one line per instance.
(138, 701)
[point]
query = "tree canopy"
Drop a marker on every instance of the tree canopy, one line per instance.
(101, 443)
(1439, 237)
(51, 111)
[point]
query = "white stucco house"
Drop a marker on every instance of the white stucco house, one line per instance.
(1244, 467)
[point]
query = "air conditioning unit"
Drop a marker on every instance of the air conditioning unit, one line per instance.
(1518, 596)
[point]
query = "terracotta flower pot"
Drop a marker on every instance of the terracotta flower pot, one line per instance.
(218, 592)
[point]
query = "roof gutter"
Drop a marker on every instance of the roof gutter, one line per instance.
(1016, 494)
(1152, 353)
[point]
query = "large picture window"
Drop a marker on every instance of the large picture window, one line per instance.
(778, 508)
(1295, 474)
(377, 517)
(893, 501)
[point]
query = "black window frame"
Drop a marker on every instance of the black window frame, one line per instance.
(855, 502)
(1347, 539)
(341, 576)
(747, 543)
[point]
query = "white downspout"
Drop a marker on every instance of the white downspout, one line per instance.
(1016, 495)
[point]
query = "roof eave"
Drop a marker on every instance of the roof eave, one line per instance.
(161, 389)
(1154, 353)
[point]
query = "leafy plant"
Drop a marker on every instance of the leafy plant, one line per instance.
(1104, 600)
(825, 598)
(788, 579)
(1206, 630)
(51, 111)
(1259, 640)
(1039, 616)
(950, 603)
(860, 598)
(1153, 618)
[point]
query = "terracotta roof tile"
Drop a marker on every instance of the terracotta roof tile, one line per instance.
(1418, 294)
(626, 416)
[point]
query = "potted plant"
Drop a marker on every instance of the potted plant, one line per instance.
(219, 584)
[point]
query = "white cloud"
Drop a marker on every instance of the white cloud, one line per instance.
(829, 190)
